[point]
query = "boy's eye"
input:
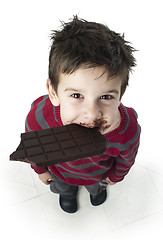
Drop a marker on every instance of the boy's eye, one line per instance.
(77, 95)
(106, 97)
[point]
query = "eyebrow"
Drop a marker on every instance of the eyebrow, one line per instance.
(113, 91)
(80, 90)
(73, 90)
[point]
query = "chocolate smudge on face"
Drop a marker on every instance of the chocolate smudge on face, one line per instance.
(103, 128)
(101, 124)
(97, 123)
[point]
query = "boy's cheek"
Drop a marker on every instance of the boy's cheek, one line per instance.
(66, 116)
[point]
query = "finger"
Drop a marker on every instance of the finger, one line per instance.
(50, 180)
(112, 183)
(109, 182)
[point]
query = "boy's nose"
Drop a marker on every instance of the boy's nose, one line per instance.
(91, 112)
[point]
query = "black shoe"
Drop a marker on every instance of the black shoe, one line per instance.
(99, 198)
(68, 205)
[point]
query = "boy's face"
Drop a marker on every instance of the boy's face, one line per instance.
(86, 97)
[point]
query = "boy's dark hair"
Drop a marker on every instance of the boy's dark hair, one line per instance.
(90, 44)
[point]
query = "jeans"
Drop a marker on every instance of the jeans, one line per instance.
(70, 191)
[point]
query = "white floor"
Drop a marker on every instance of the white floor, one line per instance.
(134, 208)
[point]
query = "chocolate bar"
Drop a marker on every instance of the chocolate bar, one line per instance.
(52, 146)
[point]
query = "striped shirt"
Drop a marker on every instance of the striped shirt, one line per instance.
(114, 163)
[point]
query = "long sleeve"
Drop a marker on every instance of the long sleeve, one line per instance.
(124, 148)
(42, 115)
(121, 168)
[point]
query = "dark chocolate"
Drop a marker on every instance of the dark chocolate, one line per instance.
(52, 146)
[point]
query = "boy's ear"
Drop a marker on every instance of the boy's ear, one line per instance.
(124, 90)
(52, 94)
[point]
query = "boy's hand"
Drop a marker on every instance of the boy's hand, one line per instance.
(46, 178)
(109, 181)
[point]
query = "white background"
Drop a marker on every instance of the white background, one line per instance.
(25, 27)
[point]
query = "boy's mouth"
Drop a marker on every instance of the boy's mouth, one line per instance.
(100, 124)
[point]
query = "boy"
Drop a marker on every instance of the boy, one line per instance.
(89, 69)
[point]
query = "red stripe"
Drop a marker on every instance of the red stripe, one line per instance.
(31, 119)
(48, 113)
(38, 100)
(85, 170)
